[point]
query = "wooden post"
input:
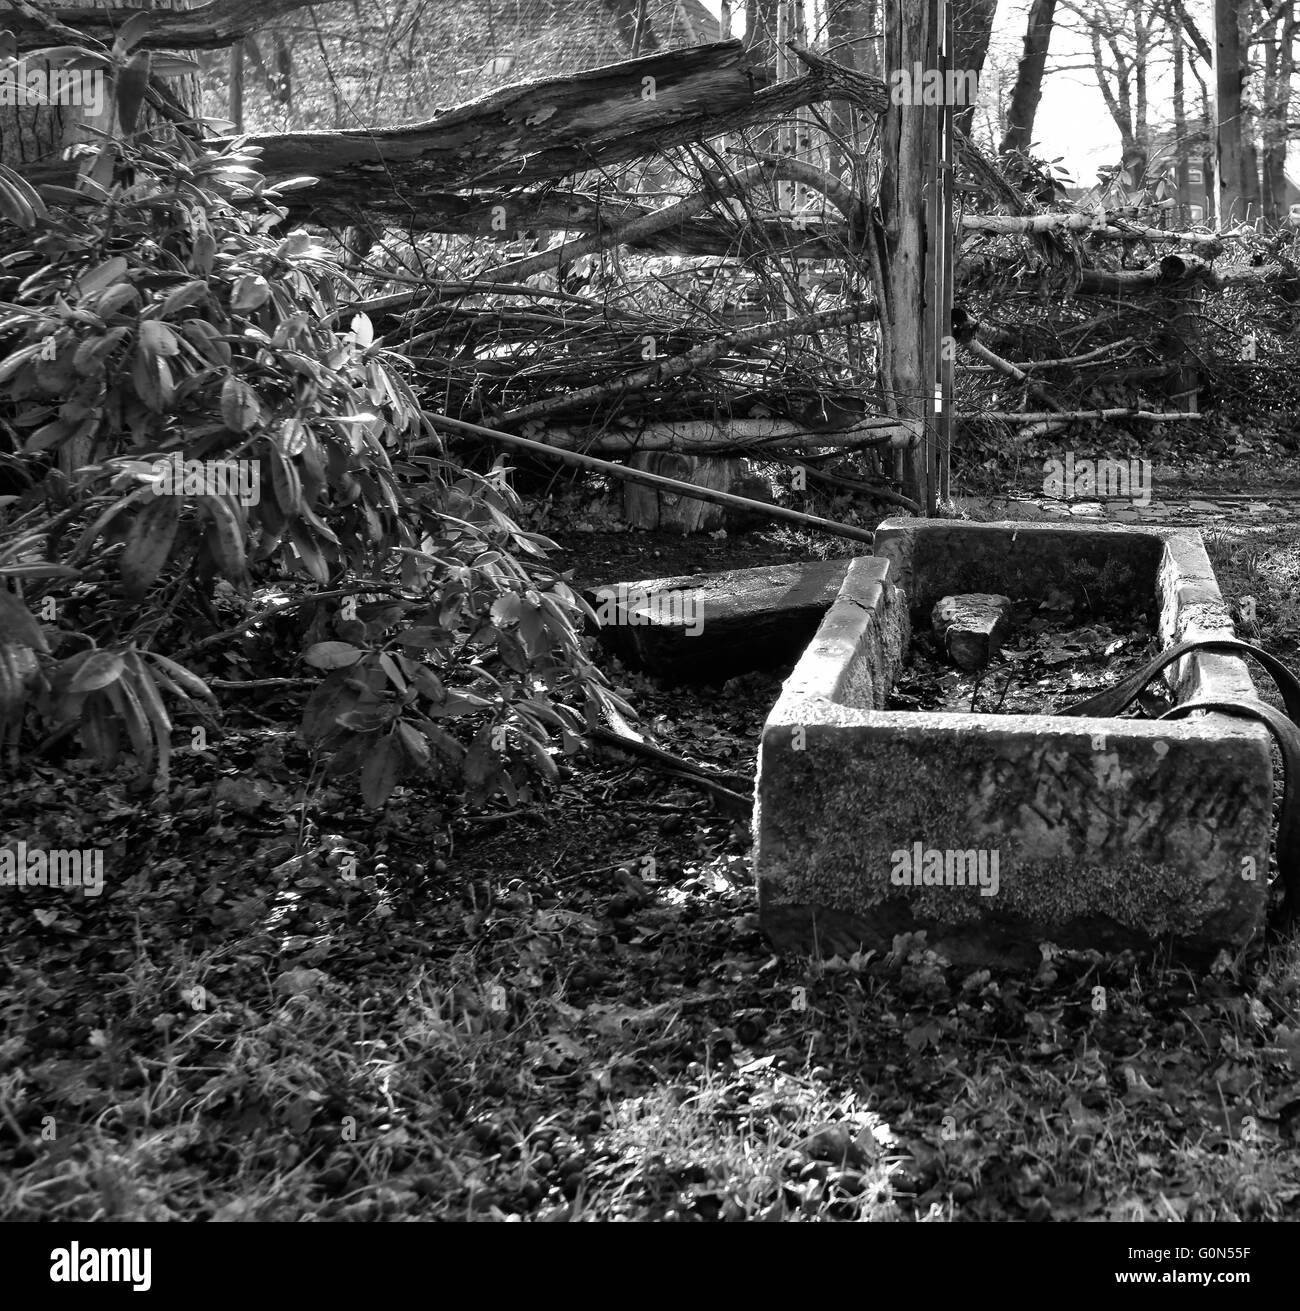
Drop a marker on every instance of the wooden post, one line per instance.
(909, 202)
(945, 257)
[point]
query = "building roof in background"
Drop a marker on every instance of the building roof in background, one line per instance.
(531, 37)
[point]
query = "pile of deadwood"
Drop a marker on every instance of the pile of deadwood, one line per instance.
(668, 259)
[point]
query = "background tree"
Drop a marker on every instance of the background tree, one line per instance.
(1278, 31)
(972, 28)
(1028, 89)
(1124, 37)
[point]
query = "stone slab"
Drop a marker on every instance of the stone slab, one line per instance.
(709, 626)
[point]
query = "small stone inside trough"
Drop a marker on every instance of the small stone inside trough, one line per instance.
(970, 628)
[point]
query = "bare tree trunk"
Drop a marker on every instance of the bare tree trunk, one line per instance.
(1184, 316)
(972, 24)
(1229, 204)
(1251, 192)
(849, 25)
(1028, 90)
(870, 49)
(839, 37)
(1278, 66)
(237, 87)
(1209, 152)
(1182, 146)
(30, 135)
(633, 25)
(1285, 70)
(760, 31)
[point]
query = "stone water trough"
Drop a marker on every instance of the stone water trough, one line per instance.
(996, 833)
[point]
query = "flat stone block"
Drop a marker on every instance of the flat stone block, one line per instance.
(717, 625)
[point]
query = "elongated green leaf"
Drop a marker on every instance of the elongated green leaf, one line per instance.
(240, 409)
(149, 543)
(128, 707)
(380, 773)
(102, 276)
(186, 678)
(96, 669)
(17, 623)
(183, 297)
(414, 744)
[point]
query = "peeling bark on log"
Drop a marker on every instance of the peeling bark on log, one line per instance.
(537, 130)
(1175, 270)
(731, 436)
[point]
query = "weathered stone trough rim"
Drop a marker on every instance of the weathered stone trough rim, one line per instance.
(1198, 726)
(848, 619)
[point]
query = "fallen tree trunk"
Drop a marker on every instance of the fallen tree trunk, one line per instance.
(982, 272)
(729, 436)
(1070, 416)
(649, 479)
(552, 128)
(1098, 223)
(502, 214)
(1178, 270)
